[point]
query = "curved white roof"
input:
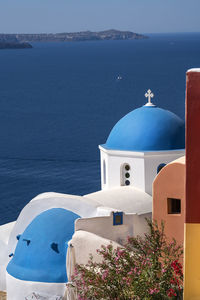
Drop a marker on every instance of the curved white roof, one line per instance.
(77, 204)
(125, 198)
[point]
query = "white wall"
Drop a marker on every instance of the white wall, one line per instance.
(5, 231)
(143, 166)
(133, 225)
(86, 243)
(20, 289)
(91, 233)
(114, 160)
(103, 227)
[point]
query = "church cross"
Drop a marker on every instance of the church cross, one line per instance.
(149, 95)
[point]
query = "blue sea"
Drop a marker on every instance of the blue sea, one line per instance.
(59, 101)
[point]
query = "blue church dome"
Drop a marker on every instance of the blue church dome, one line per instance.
(148, 128)
(40, 254)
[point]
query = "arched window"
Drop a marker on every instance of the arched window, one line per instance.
(125, 174)
(104, 172)
(159, 168)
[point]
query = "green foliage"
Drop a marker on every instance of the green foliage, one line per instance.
(146, 268)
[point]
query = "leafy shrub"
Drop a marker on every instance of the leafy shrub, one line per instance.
(145, 268)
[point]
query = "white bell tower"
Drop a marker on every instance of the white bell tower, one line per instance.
(139, 145)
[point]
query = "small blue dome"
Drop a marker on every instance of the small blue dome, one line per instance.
(148, 128)
(40, 254)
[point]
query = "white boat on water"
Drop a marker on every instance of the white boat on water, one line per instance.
(119, 77)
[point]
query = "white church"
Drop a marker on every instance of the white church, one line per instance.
(54, 231)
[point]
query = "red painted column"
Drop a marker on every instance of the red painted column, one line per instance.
(193, 147)
(192, 215)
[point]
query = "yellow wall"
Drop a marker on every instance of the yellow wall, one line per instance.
(192, 262)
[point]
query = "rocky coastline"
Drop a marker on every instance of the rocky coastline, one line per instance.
(70, 37)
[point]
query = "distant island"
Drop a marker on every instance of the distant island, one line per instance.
(70, 37)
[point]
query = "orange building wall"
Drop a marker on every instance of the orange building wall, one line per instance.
(170, 183)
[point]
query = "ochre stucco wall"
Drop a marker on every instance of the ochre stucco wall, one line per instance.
(170, 183)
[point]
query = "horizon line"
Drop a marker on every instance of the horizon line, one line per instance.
(143, 33)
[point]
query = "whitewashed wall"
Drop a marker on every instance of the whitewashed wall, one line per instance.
(115, 160)
(143, 167)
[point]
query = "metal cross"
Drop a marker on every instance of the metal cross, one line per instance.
(149, 95)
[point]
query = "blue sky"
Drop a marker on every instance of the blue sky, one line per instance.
(143, 16)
